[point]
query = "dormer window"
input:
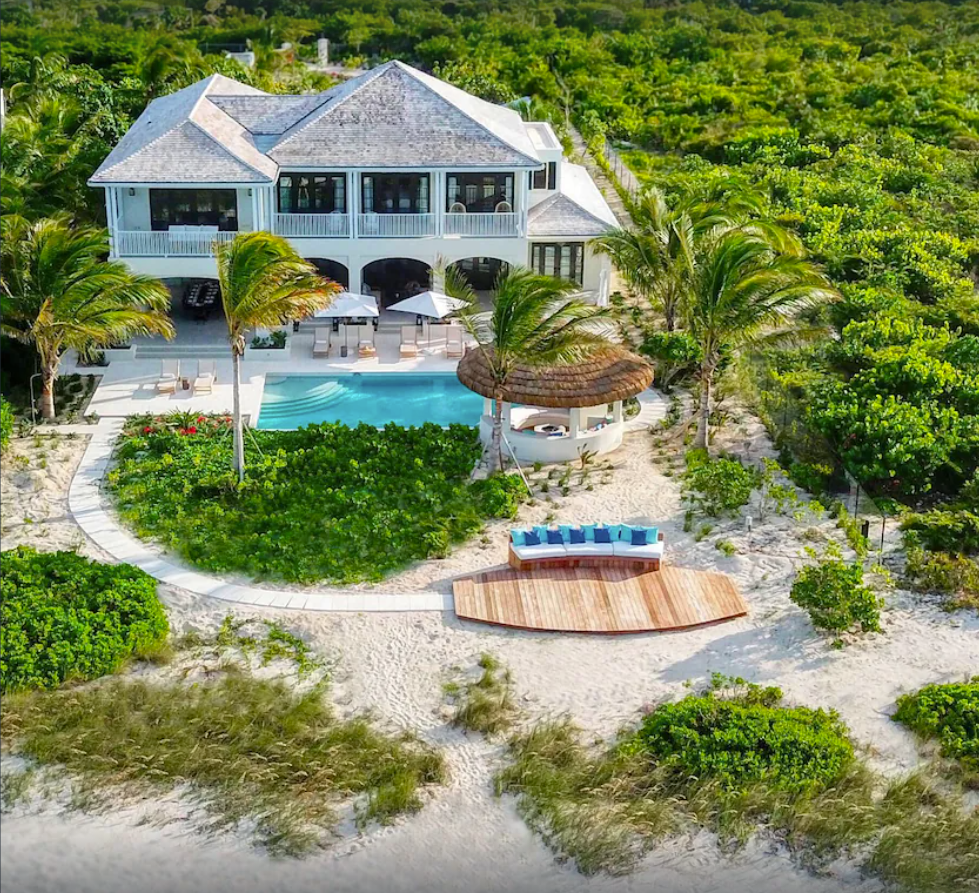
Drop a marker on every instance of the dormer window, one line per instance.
(545, 178)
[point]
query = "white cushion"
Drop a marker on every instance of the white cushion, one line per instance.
(590, 549)
(527, 553)
(627, 550)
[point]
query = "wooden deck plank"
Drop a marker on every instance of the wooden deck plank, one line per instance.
(598, 600)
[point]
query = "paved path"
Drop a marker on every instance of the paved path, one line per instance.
(652, 410)
(85, 504)
(601, 179)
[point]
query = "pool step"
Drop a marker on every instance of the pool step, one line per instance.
(321, 397)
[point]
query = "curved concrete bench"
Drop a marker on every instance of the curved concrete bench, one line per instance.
(588, 554)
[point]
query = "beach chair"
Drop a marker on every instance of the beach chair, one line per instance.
(409, 341)
(365, 342)
(206, 376)
(321, 342)
(436, 336)
(169, 376)
(454, 346)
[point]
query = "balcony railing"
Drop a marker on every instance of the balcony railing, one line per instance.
(322, 226)
(395, 226)
(482, 224)
(168, 244)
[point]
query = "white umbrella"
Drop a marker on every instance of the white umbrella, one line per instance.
(347, 304)
(429, 303)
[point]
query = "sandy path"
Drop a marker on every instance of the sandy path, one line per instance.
(394, 664)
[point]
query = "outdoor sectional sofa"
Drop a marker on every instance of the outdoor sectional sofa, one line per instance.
(584, 546)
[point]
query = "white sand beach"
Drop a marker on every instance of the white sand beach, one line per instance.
(394, 665)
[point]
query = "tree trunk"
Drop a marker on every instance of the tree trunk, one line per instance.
(239, 434)
(702, 440)
(48, 376)
(495, 460)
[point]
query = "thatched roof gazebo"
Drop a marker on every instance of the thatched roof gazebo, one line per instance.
(562, 410)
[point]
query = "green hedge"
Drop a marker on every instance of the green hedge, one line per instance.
(63, 617)
(945, 530)
(948, 713)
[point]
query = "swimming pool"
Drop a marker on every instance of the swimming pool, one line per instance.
(291, 401)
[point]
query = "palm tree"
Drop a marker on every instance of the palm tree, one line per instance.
(264, 283)
(746, 282)
(536, 320)
(59, 293)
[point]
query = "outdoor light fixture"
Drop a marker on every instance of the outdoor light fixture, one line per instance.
(132, 191)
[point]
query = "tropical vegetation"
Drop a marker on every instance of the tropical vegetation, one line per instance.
(64, 618)
(833, 592)
(535, 321)
(264, 283)
(325, 502)
(58, 293)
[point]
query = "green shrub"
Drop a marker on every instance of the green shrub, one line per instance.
(945, 530)
(6, 423)
(717, 487)
(836, 598)
(948, 713)
(65, 617)
(747, 737)
(953, 575)
(811, 477)
(326, 502)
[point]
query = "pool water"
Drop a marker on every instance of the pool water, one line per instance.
(291, 401)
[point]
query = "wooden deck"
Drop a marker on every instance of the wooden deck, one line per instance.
(598, 600)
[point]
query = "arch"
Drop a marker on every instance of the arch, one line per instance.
(481, 272)
(332, 269)
(391, 279)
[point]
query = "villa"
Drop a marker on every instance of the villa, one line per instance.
(375, 181)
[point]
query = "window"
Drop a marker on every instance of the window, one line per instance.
(545, 178)
(565, 260)
(194, 207)
(395, 193)
(312, 193)
(480, 193)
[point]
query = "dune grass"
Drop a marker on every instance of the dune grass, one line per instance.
(485, 704)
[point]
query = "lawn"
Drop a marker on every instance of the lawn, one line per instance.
(324, 503)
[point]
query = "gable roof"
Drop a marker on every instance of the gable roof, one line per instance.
(185, 138)
(268, 115)
(579, 209)
(396, 115)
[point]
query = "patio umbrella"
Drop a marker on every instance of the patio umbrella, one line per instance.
(429, 303)
(347, 305)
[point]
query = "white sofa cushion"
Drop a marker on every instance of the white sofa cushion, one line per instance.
(590, 548)
(627, 550)
(528, 553)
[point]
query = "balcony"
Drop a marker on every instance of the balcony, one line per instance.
(486, 225)
(192, 242)
(313, 226)
(395, 226)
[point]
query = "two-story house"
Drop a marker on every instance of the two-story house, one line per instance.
(375, 180)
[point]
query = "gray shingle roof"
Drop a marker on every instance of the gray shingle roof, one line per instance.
(268, 115)
(578, 210)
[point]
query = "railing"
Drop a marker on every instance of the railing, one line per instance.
(395, 226)
(313, 225)
(482, 224)
(167, 244)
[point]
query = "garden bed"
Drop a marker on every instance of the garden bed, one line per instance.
(324, 503)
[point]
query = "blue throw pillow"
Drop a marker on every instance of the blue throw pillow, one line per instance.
(530, 538)
(565, 531)
(541, 531)
(603, 535)
(638, 536)
(589, 531)
(618, 532)
(554, 538)
(652, 535)
(577, 536)
(517, 536)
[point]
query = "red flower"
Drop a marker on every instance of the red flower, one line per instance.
(201, 419)
(192, 430)
(147, 430)
(182, 431)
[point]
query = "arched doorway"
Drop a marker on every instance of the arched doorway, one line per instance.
(332, 270)
(394, 278)
(481, 272)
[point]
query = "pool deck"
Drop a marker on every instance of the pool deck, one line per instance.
(128, 387)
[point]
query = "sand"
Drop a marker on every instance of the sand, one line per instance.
(394, 664)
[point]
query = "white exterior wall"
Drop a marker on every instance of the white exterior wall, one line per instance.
(134, 210)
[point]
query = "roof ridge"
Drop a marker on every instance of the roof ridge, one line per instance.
(226, 148)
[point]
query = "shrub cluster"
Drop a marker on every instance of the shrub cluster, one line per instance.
(948, 713)
(326, 502)
(956, 576)
(6, 423)
(717, 487)
(945, 530)
(65, 617)
(834, 594)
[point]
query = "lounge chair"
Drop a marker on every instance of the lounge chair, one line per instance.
(436, 336)
(409, 341)
(169, 376)
(365, 342)
(454, 346)
(206, 376)
(321, 342)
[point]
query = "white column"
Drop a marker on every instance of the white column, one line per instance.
(353, 207)
(436, 200)
(617, 411)
(522, 196)
(574, 422)
(256, 218)
(507, 408)
(110, 222)
(487, 406)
